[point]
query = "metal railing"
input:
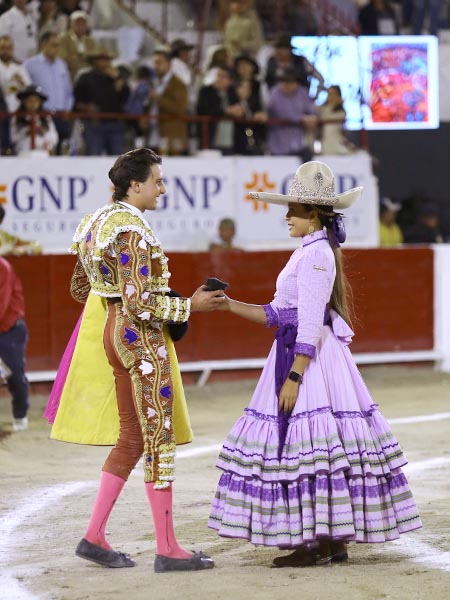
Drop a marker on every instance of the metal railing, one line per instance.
(203, 122)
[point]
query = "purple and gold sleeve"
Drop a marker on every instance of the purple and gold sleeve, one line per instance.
(140, 298)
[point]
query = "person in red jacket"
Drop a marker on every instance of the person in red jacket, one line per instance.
(13, 340)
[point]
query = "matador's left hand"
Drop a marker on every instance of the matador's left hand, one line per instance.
(288, 396)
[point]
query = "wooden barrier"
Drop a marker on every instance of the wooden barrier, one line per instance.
(392, 288)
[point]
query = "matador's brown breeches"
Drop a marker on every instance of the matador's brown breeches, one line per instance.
(141, 365)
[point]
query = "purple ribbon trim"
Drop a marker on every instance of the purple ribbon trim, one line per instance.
(285, 337)
(339, 414)
(272, 317)
(305, 349)
(255, 488)
(338, 230)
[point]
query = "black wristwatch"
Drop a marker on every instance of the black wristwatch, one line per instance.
(294, 376)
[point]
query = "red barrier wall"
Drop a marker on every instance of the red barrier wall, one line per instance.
(393, 297)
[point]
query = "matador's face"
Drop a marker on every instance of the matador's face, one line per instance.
(152, 188)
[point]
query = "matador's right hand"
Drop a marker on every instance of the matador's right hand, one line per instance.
(202, 301)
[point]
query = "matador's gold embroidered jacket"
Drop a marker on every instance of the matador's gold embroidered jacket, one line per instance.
(119, 257)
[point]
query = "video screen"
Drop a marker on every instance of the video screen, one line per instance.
(387, 82)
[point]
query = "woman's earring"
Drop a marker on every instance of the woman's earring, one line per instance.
(311, 229)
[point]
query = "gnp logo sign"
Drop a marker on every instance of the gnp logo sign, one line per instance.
(191, 192)
(46, 198)
(259, 182)
(264, 174)
(45, 194)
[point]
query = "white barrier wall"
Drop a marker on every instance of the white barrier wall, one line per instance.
(442, 305)
(45, 199)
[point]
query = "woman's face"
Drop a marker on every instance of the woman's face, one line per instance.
(48, 7)
(333, 97)
(245, 69)
(298, 220)
(244, 90)
(32, 103)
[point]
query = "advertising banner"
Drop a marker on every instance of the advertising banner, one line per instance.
(45, 199)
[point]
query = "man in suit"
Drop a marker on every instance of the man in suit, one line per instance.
(220, 100)
(169, 102)
(102, 89)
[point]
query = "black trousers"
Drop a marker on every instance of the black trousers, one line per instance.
(12, 351)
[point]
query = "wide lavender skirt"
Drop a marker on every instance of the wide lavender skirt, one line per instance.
(339, 475)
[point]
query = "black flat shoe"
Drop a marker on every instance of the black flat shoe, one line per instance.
(338, 551)
(101, 556)
(339, 557)
(197, 562)
(301, 558)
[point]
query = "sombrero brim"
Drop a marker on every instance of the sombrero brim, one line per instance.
(26, 94)
(344, 200)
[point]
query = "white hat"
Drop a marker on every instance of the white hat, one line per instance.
(79, 14)
(313, 184)
(390, 205)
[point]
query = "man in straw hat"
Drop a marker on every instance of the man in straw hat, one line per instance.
(76, 43)
(102, 90)
(312, 463)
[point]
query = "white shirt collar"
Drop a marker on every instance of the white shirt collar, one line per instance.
(133, 209)
(163, 82)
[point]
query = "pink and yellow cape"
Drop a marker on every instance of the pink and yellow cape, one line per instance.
(82, 406)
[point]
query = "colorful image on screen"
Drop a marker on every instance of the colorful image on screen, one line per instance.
(387, 82)
(399, 81)
(399, 86)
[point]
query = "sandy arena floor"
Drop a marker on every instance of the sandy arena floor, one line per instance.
(48, 489)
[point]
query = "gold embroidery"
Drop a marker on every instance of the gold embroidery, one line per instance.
(92, 243)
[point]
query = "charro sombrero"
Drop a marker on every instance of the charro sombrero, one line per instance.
(313, 184)
(31, 90)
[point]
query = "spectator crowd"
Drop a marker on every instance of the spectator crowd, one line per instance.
(243, 101)
(50, 65)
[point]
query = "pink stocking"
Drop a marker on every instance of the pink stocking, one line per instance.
(161, 503)
(109, 490)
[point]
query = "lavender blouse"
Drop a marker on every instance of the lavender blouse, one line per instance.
(303, 290)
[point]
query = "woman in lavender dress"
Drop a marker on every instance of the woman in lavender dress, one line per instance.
(312, 463)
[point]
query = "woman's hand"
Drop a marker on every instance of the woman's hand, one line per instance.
(225, 304)
(288, 396)
(203, 301)
(309, 121)
(260, 116)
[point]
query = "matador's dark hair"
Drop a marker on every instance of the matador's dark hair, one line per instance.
(132, 166)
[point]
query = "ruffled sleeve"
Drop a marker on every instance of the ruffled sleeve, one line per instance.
(80, 232)
(315, 277)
